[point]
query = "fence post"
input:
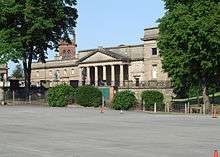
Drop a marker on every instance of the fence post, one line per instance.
(204, 108)
(188, 108)
(165, 108)
(155, 107)
(30, 99)
(13, 96)
(185, 108)
(143, 102)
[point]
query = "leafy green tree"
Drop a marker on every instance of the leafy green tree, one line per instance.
(61, 95)
(29, 27)
(189, 42)
(88, 96)
(124, 100)
(18, 72)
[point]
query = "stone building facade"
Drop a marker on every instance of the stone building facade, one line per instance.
(62, 69)
(124, 66)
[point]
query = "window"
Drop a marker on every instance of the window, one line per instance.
(154, 71)
(154, 51)
(137, 82)
(66, 54)
(65, 72)
(37, 73)
(50, 72)
(72, 71)
(56, 75)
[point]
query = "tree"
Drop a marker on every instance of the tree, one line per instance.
(189, 42)
(29, 27)
(18, 72)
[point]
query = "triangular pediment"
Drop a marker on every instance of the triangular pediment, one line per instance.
(97, 57)
(103, 55)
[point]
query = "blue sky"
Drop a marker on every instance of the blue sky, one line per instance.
(113, 22)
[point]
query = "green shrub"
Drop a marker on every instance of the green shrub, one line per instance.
(151, 97)
(61, 95)
(124, 100)
(88, 96)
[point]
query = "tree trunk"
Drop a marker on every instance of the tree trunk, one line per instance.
(27, 61)
(206, 101)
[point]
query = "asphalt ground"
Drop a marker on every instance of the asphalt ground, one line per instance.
(81, 132)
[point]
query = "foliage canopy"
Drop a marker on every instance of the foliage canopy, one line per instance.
(88, 96)
(124, 100)
(189, 42)
(29, 27)
(61, 95)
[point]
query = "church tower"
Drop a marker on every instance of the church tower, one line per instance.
(67, 51)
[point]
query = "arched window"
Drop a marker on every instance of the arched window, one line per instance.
(66, 54)
(65, 72)
(72, 71)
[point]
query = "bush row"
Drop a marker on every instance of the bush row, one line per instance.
(63, 95)
(90, 96)
(126, 100)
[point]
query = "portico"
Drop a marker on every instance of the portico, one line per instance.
(104, 68)
(104, 75)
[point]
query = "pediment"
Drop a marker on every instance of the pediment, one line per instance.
(97, 57)
(102, 55)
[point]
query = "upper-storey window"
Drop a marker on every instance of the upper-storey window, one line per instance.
(154, 51)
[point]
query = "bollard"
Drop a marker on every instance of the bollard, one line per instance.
(215, 153)
(155, 107)
(185, 108)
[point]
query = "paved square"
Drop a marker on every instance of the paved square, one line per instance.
(80, 132)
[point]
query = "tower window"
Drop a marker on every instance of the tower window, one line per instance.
(154, 51)
(66, 54)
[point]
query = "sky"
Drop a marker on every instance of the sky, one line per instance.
(113, 22)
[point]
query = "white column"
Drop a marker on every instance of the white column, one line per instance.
(104, 72)
(96, 75)
(88, 75)
(113, 75)
(121, 75)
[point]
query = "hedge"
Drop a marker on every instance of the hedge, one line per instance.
(152, 97)
(61, 95)
(88, 96)
(124, 100)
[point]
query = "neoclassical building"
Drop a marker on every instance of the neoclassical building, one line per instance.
(123, 66)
